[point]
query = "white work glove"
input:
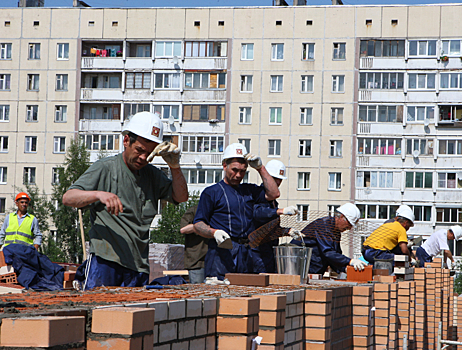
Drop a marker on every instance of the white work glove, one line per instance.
(254, 161)
(295, 234)
(410, 243)
(223, 239)
(169, 152)
(358, 264)
(292, 210)
(413, 262)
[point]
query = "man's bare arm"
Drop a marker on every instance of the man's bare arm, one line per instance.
(180, 187)
(188, 229)
(271, 189)
(204, 230)
(448, 254)
(405, 250)
(78, 199)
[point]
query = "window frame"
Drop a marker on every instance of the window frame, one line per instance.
(164, 55)
(60, 110)
(304, 116)
(246, 143)
(304, 148)
(337, 179)
(4, 113)
(375, 111)
(336, 84)
(244, 113)
(416, 113)
(6, 51)
(334, 116)
(144, 74)
(3, 175)
(457, 147)
(59, 144)
(171, 108)
(245, 51)
(33, 52)
(30, 145)
(304, 177)
(5, 82)
(417, 48)
(4, 144)
(303, 215)
(32, 113)
(275, 116)
(417, 82)
(244, 83)
(171, 78)
(61, 51)
(334, 149)
(31, 173)
(339, 54)
(308, 48)
(206, 140)
(33, 82)
(279, 83)
(419, 140)
(378, 177)
(275, 145)
(362, 143)
(275, 52)
(414, 180)
(62, 82)
(305, 84)
(381, 78)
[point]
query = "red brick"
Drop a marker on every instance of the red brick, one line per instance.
(69, 275)
(115, 344)
(239, 325)
(2, 259)
(319, 334)
(226, 342)
(122, 320)
(358, 275)
(318, 308)
(317, 345)
(362, 291)
(272, 318)
(42, 331)
(280, 279)
(361, 330)
(318, 321)
(272, 302)
(244, 279)
(318, 295)
(239, 306)
(385, 279)
(272, 336)
(381, 287)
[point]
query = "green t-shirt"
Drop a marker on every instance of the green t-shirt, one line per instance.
(124, 239)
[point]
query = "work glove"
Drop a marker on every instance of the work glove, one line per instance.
(292, 210)
(254, 161)
(413, 262)
(295, 234)
(169, 152)
(223, 239)
(358, 264)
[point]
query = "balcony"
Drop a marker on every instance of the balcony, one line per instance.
(102, 55)
(101, 94)
(101, 117)
(450, 115)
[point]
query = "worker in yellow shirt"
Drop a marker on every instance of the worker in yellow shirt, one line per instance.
(390, 239)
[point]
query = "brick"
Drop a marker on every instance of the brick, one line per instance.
(209, 307)
(272, 318)
(359, 276)
(201, 327)
(360, 330)
(384, 279)
(226, 342)
(193, 308)
(115, 343)
(272, 335)
(196, 344)
(238, 325)
(211, 325)
(122, 320)
(180, 346)
(210, 343)
(161, 310)
(318, 308)
(239, 306)
(362, 291)
(167, 332)
(186, 329)
(299, 295)
(176, 309)
(319, 334)
(361, 300)
(318, 295)
(244, 279)
(361, 320)
(280, 279)
(381, 287)
(271, 347)
(317, 321)
(272, 302)
(69, 275)
(361, 310)
(309, 345)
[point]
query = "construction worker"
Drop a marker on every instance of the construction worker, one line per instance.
(225, 213)
(21, 227)
(438, 242)
(323, 236)
(263, 255)
(390, 239)
(122, 193)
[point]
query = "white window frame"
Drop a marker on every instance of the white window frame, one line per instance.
(60, 113)
(307, 82)
(414, 179)
(443, 180)
(30, 173)
(245, 55)
(245, 115)
(31, 113)
(428, 113)
(144, 83)
(422, 45)
(194, 176)
(203, 81)
(336, 115)
(303, 212)
(337, 82)
(446, 49)
(381, 81)
(336, 149)
(274, 148)
(195, 143)
(246, 143)
(303, 181)
(426, 144)
(5, 51)
(275, 116)
(2, 205)
(5, 82)
(62, 53)
(417, 77)
(457, 210)
(377, 179)
(306, 116)
(246, 83)
(376, 143)
(59, 144)
(62, 83)
(339, 52)
(336, 180)
(198, 49)
(278, 82)
(34, 51)
(448, 78)
(307, 51)
(30, 144)
(175, 46)
(3, 144)
(373, 113)
(277, 52)
(33, 82)
(4, 113)
(168, 110)
(304, 148)
(170, 81)
(3, 175)
(54, 176)
(457, 147)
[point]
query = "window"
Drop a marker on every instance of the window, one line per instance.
(203, 144)
(303, 212)
(338, 83)
(303, 181)
(60, 114)
(143, 51)
(419, 179)
(374, 179)
(368, 22)
(246, 83)
(32, 113)
(336, 148)
(167, 81)
(91, 23)
(380, 114)
(31, 144)
(307, 51)
(307, 83)
(3, 200)
(304, 148)
(339, 51)
(29, 176)
(5, 51)
(425, 147)
(34, 51)
(449, 114)
(277, 52)
(205, 80)
(221, 23)
(4, 113)
(306, 116)
(449, 180)
(381, 81)
(206, 48)
(382, 48)
(276, 83)
(422, 48)
(246, 52)
(5, 81)
(382, 146)
(3, 175)
(336, 116)
(451, 48)
(451, 81)
(197, 23)
(98, 142)
(246, 143)
(55, 175)
(203, 113)
(61, 82)
(450, 147)
(133, 108)
(33, 81)
(168, 48)
(274, 147)
(245, 115)
(7, 23)
(421, 81)
(374, 211)
(138, 81)
(420, 113)
(59, 145)
(275, 115)
(335, 182)
(63, 51)
(203, 176)
(3, 143)
(166, 111)
(449, 215)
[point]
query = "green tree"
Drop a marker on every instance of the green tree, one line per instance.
(458, 279)
(168, 227)
(66, 219)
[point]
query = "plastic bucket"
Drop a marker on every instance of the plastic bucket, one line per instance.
(292, 260)
(386, 264)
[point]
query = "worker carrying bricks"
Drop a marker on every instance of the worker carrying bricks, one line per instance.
(323, 236)
(263, 255)
(225, 213)
(21, 227)
(122, 193)
(390, 239)
(438, 242)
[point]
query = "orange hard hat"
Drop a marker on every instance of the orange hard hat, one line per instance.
(21, 195)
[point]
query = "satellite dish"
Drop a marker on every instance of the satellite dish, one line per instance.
(367, 191)
(171, 120)
(197, 159)
(175, 60)
(426, 122)
(459, 175)
(416, 153)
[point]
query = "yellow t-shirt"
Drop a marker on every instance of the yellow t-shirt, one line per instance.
(387, 236)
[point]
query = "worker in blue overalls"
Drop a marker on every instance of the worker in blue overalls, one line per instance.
(225, 213)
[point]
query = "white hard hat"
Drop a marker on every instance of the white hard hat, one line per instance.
(234, 150)
(276, 169)
(406, 212)
(351, 212)
(145, 124)
(457, 230)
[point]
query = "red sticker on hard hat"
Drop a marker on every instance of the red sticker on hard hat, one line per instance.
(155, 131)
(239, 151)
(281, 172)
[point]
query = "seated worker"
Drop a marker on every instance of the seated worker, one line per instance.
(323, 235)
(263, 255)
(390, 239)
(438, 242)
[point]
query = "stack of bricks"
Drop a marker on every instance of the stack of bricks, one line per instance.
(272, 319)
(404, 313)
(420, 310)
(363, 324)
(237, 323)
(341, 334)
(439, 303)
(382, 315)
(402, 270)
(393, 317)
(412, 293)
(293, 330)
(318, 319)
(430, 281)
(459, 319)
(446, 314)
